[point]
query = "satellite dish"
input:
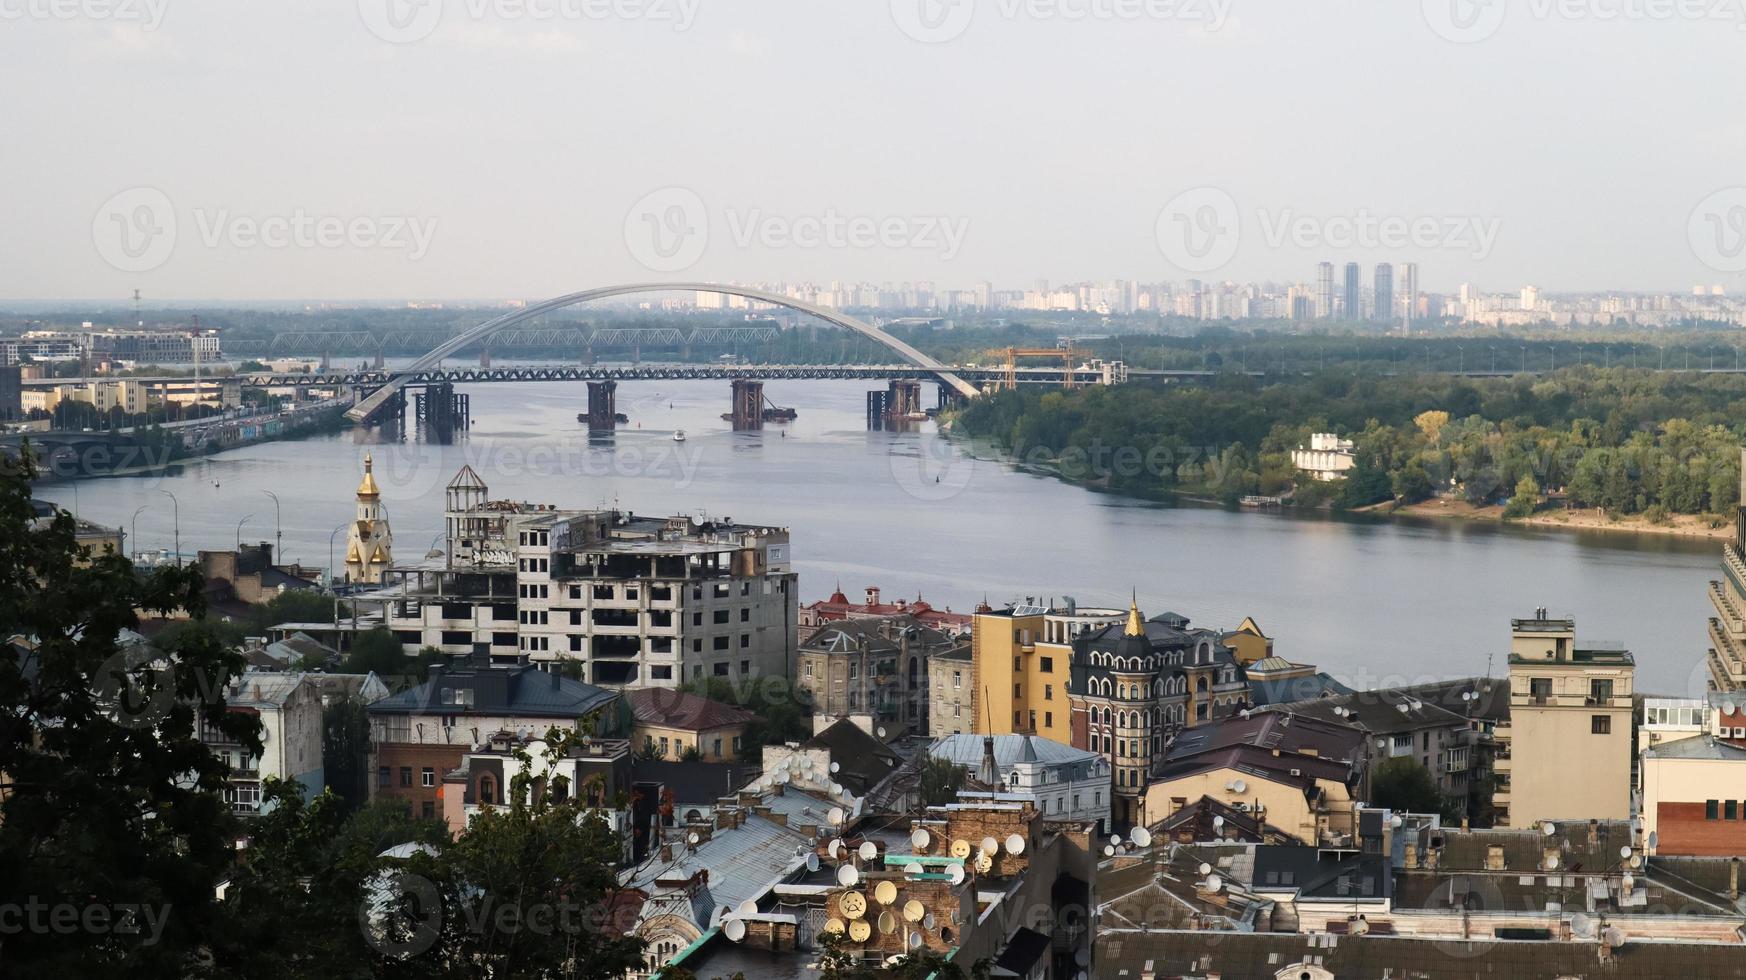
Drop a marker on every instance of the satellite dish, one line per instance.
(805, 762)
(1116, 839)
(1636, 860)
(812, 862)
(1214, 883)
(1653, 838)
(1142, 836)
(881, 732)
(887, 922)
(960, 848)
(747, 907)
(852, 904)
(1205, 868)
(836, 767)
(990, 845)
(984, 863)
(693, 839)
(782, 779)
(1627, 883)
(955, 873)
(1551, 861)
(1218, 822)
(1108, 851)
(836, 815)
(928, 921)
(885, 893)
(1395, 820)
(847, 875)
(914, 910)
(734, 929)
(919, 839)
(1015, 844)
(868, 851)
(1614, 937)
(860, 931)
(836, 848)
(1548, 828)
(1625, 851)
(915, 940)
(1582, 926)
(834, 925)
(1240, 786)
(915, 868)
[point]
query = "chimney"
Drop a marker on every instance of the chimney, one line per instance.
(873, 595)
(990, 771)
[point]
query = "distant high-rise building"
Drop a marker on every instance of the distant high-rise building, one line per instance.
(1384, 311)
(1530, 298)
(1325, 291)
(1409, 291)
(1354, 302)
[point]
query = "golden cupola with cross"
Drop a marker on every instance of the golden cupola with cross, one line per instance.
(369, 543)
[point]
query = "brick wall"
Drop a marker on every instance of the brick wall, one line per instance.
(1682, 829)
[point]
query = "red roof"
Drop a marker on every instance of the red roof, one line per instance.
(675, 709)
(838, 606)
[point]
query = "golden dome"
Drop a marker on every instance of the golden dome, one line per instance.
(1136, 625)
(368, 487)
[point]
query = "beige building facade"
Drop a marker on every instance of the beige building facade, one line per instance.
(1566, 752)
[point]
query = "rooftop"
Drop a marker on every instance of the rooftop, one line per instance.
(676, 709)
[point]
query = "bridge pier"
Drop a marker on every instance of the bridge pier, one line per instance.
(440, 411)
(484, 357)
(892, 408)
(748, 405)
(602, 406)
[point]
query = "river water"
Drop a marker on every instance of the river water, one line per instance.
(1370, 600)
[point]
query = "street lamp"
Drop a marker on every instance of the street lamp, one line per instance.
(136, 527)
(176, 519)
(278, 528)
(331, 577)
(239, 527)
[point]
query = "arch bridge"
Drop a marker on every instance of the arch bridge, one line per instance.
(374, 403)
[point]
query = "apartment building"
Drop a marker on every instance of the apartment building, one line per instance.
(876, 671)
(1566, 751)
(638, 601)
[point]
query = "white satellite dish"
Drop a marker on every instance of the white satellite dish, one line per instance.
(1015, 844)
(1636, 860)
(812, 862)
(1551, 861)
(1395, 820)
(782, 779)
(836, 848)
(915, 868)
(1627, 883)
(836, 767)
(693, 840)
(869, 850)
(919, 839)
(747, 907)
(1142, 837)
(1214, 883)
(1205, 868)
(990, 846)
(1108, 851)
(915, 940)
(1548, 828)
(1582, 926)
(881, 732)
(1218, 822)
(734, 929)
(928, 920)
(1115, 839)
(836, 815)
(1625, 851)
(1240, 786)
(1654, 837)
(847, 875)
(955, 873)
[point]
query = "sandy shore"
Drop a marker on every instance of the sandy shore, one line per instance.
(1679, 525)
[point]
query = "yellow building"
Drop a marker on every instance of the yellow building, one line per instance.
(1565, 753)
(369, 543)
(1248, 642)
(1021, 680)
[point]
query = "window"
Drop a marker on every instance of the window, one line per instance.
(957, 679)
(745, 641)
(721, 616)
(746, 615)
(406, 775)
(1600, 692)
(1731, 810)
(1048, 719)
(1600, 724)
(721, 670)
(1540, 689)
(1048, 665)
(1048, 692)
(746, 667)
(427, 810)
(384, 776)
(719, 643)
(427, 776)
(1712, 809)
(808, 668)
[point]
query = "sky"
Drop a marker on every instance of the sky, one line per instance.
(484, 149)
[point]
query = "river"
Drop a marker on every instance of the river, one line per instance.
(1370, 600)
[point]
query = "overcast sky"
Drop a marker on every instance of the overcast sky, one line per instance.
(380, 149)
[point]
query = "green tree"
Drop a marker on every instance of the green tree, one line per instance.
(1403, 785)
(108, 798)
(1524, 500)
(941, 779)
(345, 751)
(376, 651)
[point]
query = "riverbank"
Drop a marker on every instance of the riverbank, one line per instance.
(1585, 519)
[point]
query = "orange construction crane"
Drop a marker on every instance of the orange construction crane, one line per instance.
(1068, 355)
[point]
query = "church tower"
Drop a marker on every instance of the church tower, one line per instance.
(369, 544)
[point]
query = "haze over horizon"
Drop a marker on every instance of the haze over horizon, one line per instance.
(348, 148)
